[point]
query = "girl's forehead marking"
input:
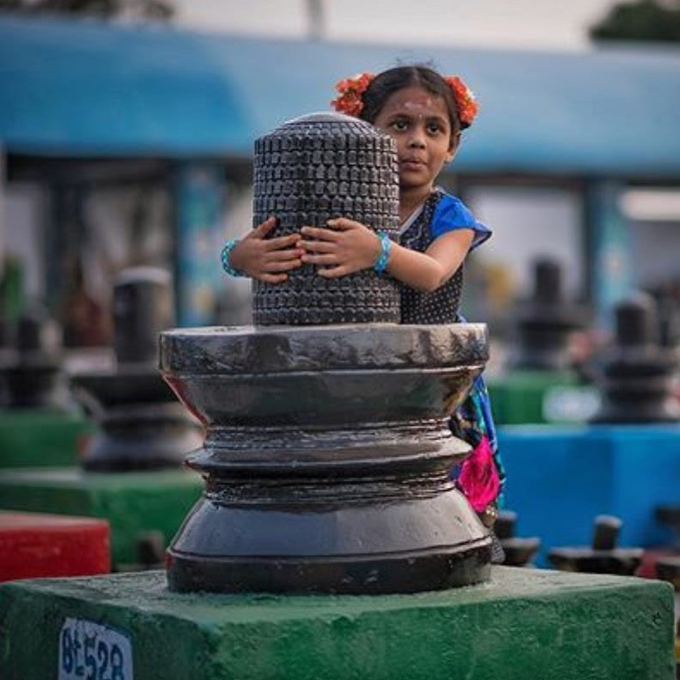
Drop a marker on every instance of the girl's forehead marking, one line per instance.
(417, 101)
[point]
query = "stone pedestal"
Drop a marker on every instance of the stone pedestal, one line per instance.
(602, 556)
(520, 551)
(522, 624)
(638, 373)
(327, 458)
(31, 376)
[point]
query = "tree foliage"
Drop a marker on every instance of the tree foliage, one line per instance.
(645, 20)
(106, 9)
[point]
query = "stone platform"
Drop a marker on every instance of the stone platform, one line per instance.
(522, 624)
(133, 502)
(560, 478)
(41, 438)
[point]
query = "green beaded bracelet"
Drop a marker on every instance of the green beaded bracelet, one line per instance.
(385, 248)
(226, 264)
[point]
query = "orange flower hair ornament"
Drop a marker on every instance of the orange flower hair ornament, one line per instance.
(350, 90)
(465, 100)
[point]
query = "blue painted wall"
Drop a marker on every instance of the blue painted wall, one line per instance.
(560, 478)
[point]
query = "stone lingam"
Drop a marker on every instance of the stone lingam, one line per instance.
(638, 371)
(545, 321)
(140, 424)
(31, 375)
(327, 455)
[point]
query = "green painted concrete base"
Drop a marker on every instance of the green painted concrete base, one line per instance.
(41, 437)
(518, 398)
(132, 502)
(524, 624)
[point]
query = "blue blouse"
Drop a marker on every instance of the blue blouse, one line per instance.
(450, 214)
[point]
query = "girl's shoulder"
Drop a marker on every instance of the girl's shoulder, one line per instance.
(451, 213)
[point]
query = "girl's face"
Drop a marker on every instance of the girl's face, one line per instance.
(419, 122)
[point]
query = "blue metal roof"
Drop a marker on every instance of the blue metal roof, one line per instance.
(84, 88)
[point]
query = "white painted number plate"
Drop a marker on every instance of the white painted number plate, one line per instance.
(90, 651)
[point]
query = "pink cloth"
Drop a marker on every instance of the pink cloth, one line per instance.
(478, 478)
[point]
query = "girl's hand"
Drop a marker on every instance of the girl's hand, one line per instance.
(345, 248)
(266, 259)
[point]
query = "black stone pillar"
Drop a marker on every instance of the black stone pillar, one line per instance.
(31, 375)
(603, 556)
(545, 321)
(141, 425)
(328, 454)
(636, 381)
(519, 551)
(307, 172)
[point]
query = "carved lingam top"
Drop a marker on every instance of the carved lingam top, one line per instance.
(308, 171)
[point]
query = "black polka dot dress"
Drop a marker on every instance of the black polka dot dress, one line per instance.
(473, 422)
(440, 214)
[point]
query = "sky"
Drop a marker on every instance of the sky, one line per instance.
(521, 24)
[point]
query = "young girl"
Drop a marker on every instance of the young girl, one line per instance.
(425, 113)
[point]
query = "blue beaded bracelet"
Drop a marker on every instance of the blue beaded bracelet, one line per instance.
(226, 264)
(385, 248)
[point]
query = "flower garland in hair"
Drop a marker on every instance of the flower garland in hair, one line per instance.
(349, 99)
(465, 100)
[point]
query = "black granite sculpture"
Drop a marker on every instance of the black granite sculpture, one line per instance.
(140, 424)
(603, 556)
(544, 322)
(327, 452)
(31, 373)
(638, 372)
(519, 551)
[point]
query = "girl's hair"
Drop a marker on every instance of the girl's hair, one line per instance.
(385, 84)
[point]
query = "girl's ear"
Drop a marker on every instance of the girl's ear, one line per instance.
(453, 146)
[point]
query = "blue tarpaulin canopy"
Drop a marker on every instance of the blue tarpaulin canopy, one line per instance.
(85, 88)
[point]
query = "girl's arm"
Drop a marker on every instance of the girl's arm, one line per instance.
(266, 259)
(350, 246)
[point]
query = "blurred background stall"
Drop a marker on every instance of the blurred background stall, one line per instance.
(129, 143)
